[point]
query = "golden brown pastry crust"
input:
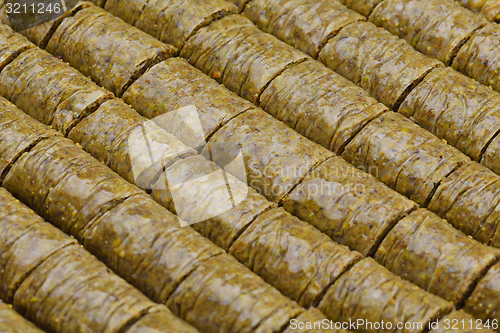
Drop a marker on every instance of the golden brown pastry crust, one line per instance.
(25, 242)
(110, 51)
(49, 90)
(320, 104)
(479, 57)
(370, 292)
(174, 84)
(491, 156)
(484, 302)
(18, 134)
(456, 108)
(211, 189)
(305, 24)
(437, 28)
(12, 322)
(350, 206)
(170, 21)
(379, 62)
(239, 55)
(490, 9)
(41, 33)
(72, 291)
(66, 185)
(11, 45)
(198, 299)
(404, 156)
(147, 245)
(304, 261)
(116, 135)
(470, 200)
(276, 157)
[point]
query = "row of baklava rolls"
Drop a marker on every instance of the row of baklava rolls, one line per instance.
(118, 222)
(54, 282)
(361, 215)
(305, 94)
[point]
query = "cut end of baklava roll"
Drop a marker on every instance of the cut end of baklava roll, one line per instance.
(240, 56)
(479, 58)
(365, 209)
(41, 33)
(469, 199)
(148, 245)
(120, 52)
(13, 322)
(320, 104)
(211, 200)
(371, 293)
(12, 45)
(65, 185)
(73, 291)
(26, 241)
(484, 302)
(50, 90)
(173, 23)
(136, 148)
(379, 62)
(491, 157)
(305, 25)
(181, 99)
(457, 109)
(276, 158)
